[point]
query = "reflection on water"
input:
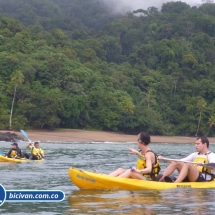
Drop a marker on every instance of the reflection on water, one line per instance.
(53, 174)
(125, 202)
(141, 202)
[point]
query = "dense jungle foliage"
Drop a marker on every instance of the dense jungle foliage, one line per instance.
(74, 64)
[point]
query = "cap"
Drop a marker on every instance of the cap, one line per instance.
(14, 144)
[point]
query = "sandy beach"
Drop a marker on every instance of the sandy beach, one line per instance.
(75, 135)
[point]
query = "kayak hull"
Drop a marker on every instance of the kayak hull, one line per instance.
(89, 180)
(6, 159)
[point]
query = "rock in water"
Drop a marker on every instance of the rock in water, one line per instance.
(10, 137)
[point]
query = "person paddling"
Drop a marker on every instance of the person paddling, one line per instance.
(15, 152)
(37, 153)
(193, 172)
(147, 166)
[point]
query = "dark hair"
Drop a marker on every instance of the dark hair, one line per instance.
(36, 143)
(204, 140)
(144, 138)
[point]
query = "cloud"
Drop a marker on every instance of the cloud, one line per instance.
(123, 6)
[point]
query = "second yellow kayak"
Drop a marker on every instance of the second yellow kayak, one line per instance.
(6, 159)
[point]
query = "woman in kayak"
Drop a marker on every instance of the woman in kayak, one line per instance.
(147, 167)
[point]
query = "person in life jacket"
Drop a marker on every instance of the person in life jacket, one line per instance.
(193, 172)
(15, 152)
(37, 153)
(147, 166)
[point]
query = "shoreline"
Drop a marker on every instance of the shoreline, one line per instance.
(85, 136)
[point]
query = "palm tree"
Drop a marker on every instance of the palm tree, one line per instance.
(211, 122)
(16, 78)
(201, 104)
(128, 105)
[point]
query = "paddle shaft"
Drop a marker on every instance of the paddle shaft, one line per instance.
(130, 166)
(176, 160)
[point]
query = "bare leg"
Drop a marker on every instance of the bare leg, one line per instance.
(171, 168)
(130, 174)
(188, 170)
(117, 172)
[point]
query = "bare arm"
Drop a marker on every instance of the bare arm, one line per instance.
(148, 169)
(133, 151)
(42, 155)
(27, 147)
(149, 157)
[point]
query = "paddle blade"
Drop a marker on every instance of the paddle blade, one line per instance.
(24, 134)
(1, 153)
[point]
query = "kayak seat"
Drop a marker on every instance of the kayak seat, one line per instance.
(169, 179)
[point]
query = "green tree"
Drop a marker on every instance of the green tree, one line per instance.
(201, 104)
(16, 78)
(3, 117)
(211, 122)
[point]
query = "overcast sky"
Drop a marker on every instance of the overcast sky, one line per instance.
(130, 5)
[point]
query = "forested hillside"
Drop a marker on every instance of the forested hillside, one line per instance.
(66, 14)
(73, 64)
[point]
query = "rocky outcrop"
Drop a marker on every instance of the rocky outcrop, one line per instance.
(10, 137)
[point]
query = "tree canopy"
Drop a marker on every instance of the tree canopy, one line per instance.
(84, 67)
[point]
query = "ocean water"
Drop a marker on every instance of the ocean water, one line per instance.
(105, 157)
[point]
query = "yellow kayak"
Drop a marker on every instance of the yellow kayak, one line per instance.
(89, 180)
(6, 159)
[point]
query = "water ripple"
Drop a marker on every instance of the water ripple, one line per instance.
(105, 157)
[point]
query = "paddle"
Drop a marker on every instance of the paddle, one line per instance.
(1, 153)
(26, 136)
(206, 164)
(130, 167)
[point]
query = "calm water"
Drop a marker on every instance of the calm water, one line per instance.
(53, 174)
